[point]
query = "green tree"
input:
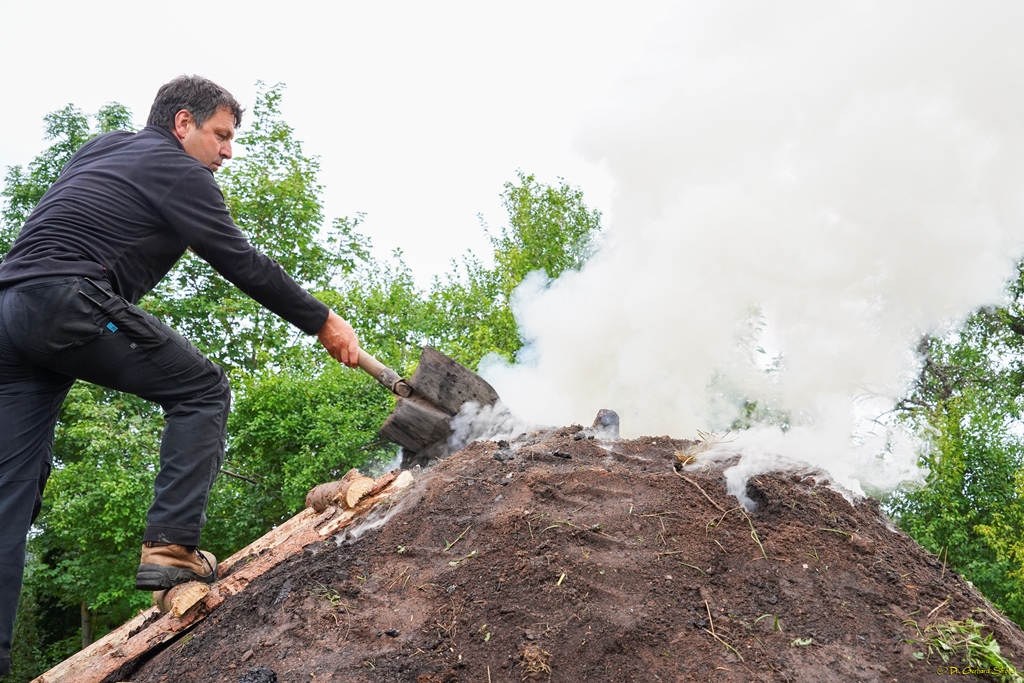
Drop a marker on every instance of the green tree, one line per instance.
(310, 422)
(550, 229)
(106, 453)
(289, 432)
(968, 397)
(387, 309)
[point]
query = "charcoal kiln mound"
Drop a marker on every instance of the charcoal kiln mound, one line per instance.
(560, 557)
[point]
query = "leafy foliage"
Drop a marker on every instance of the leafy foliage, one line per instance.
(963, 642)
(98, 496)
(387, 309)
(969, 399)
(551, 229)
(86, 548)
(290, 432)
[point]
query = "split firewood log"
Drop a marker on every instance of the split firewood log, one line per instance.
(383, 482)
(346, 492)
(181, 598)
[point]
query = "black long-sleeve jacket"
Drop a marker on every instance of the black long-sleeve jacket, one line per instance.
(127, 206)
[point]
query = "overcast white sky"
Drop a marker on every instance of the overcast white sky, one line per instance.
(419, 111)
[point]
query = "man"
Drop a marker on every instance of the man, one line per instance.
(124, 210)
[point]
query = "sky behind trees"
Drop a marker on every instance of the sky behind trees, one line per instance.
(418, 111)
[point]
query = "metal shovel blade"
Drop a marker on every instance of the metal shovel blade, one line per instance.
(421, 420)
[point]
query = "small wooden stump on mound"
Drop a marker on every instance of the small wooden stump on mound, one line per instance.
(346, 492)
(180, 599)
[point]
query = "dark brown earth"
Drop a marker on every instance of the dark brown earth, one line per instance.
(563, 558)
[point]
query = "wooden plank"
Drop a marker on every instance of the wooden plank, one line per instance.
(112, 657)
(269, 540)
(70, 668)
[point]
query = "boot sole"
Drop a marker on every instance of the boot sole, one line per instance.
(158, 577)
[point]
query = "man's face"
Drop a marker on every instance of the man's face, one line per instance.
(209, 143)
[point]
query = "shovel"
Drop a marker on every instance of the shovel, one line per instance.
(427, 402)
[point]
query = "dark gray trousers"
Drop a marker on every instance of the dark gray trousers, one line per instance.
(56, 330)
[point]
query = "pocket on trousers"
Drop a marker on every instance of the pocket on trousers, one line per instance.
(49, 318)
(132, 322)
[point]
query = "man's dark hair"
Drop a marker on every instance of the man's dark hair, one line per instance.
(200, 96)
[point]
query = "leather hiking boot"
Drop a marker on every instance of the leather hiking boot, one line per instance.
(165, 565)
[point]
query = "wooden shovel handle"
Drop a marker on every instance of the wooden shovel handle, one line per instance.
(385, 375)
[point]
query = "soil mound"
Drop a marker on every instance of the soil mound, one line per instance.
(563, 558)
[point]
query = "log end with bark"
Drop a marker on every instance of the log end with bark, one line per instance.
(346, 492)
(180, 599)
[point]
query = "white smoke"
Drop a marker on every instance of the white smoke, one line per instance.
(803, 189)
(492, 423)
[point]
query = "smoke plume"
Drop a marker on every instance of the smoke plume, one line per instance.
(802, 190)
